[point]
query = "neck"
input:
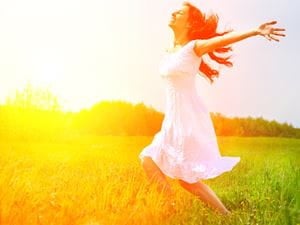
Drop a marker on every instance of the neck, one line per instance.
(180, 38)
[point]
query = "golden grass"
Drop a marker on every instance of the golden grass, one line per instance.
(99, 180)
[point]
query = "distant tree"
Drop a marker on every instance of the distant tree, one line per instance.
(34, 98)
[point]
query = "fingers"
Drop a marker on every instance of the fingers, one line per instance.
(279, 34)
(268, 37)
(273, 37)
(270, 23)
(278, 29)
(273, 31)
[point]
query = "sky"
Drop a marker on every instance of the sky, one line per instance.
(89, 51)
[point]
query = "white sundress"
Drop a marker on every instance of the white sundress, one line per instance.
(186, 147)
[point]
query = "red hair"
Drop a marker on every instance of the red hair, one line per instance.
(204, 27)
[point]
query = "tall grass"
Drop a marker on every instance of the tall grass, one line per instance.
(99, 180)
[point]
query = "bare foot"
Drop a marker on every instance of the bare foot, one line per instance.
(169, 209)
(223, 212)
(227, 212)
(171, 206)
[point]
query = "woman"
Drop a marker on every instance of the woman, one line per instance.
(186, 147)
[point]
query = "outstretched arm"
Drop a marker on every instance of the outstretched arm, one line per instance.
(266, 30)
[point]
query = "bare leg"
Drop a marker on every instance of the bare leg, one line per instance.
(206, 194)
(156, 176)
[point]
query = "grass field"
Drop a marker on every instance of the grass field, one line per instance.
(99, 180)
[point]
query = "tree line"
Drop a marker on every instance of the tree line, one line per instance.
(34, 114)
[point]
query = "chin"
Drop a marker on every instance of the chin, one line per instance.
(171, 23)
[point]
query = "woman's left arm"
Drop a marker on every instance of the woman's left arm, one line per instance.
(266, 30)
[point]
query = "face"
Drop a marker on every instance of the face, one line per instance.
(179, 18)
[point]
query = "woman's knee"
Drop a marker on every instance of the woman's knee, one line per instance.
(148, 162)
(183, 183)
(150, 167)
(187, 184)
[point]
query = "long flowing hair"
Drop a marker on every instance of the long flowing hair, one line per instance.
(205, 27)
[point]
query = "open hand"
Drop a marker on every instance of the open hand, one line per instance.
(266, 30)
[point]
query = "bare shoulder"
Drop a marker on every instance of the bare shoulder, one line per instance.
(200, 47)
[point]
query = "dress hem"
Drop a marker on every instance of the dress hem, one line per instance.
(235, 161)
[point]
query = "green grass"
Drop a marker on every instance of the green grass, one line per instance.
(99, 180)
